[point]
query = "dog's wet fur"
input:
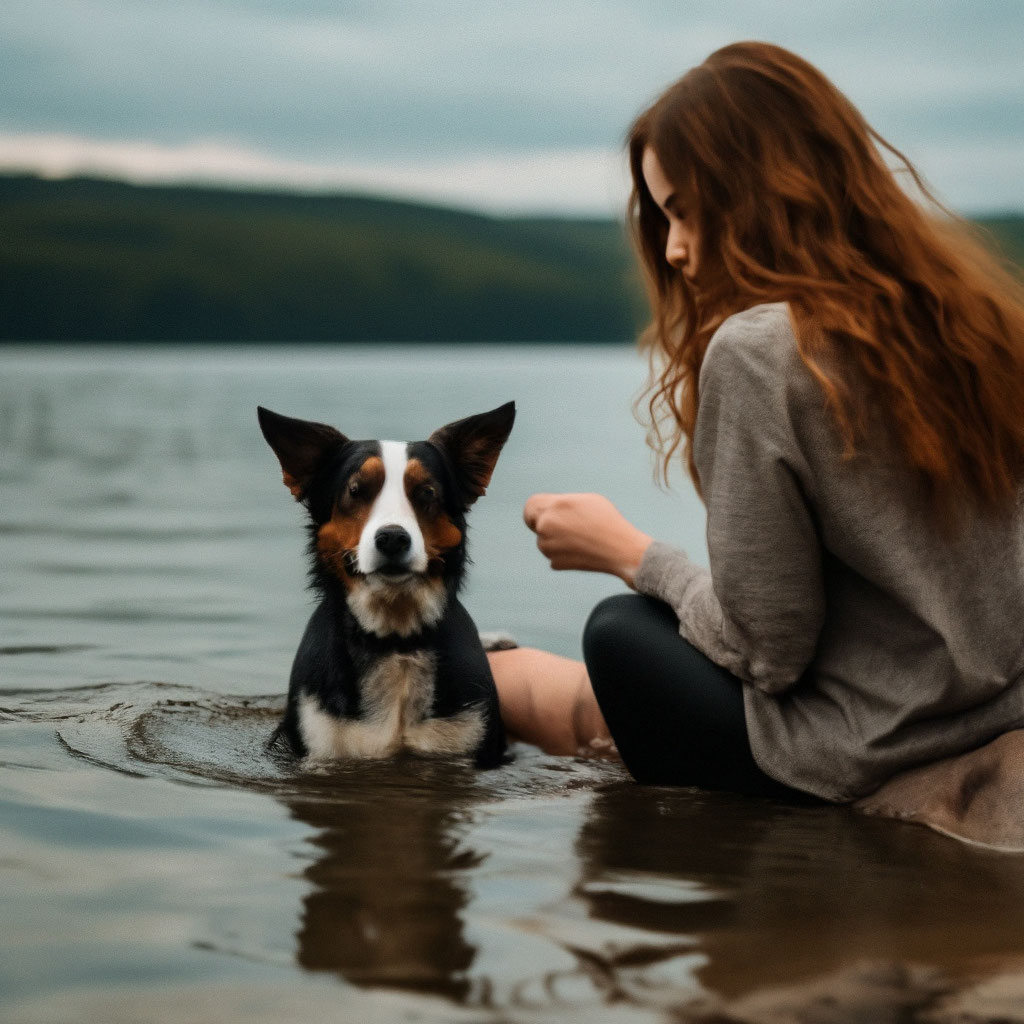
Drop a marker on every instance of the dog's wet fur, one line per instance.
(390, 660)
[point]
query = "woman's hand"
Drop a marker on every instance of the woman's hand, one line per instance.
(585, 531)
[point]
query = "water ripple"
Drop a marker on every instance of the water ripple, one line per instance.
(45, 649)
(191, 735)
(189, 531)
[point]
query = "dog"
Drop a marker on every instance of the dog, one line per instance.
(390, 661)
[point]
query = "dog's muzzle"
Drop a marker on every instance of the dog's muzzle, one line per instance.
(393, 545)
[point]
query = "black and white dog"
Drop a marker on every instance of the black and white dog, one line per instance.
(390, 660)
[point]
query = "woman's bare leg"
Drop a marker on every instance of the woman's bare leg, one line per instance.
(547, 700)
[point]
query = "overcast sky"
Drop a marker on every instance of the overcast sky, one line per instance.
(509, 106)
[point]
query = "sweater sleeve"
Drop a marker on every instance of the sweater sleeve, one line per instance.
(760, 609)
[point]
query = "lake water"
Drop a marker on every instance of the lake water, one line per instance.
(156, 865)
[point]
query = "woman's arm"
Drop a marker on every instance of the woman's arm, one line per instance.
(760, 609)
(585, 531)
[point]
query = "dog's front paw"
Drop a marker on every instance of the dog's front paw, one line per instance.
(496, 640)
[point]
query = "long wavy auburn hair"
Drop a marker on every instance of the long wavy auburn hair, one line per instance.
(897, 307)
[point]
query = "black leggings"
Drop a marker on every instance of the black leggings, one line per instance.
(676, 717)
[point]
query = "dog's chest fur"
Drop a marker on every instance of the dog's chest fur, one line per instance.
(396, 696)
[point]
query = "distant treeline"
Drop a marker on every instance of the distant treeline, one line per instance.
(102, 260)
(86, 259)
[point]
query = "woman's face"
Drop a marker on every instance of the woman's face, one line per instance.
(682, 247)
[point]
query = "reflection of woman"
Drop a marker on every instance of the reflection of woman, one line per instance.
(764, 909)
(844, 373)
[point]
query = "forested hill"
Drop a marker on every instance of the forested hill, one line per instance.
(90, 259)
(85, 259)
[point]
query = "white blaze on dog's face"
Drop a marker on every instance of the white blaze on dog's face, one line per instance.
(392, 519)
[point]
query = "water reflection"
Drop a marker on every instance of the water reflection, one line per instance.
(781, 893)
(552, 886)
(387, 878)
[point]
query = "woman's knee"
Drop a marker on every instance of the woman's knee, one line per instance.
(543, 698)
(616, 627)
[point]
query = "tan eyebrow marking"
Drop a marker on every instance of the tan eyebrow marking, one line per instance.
(440, 534)
(339, 536)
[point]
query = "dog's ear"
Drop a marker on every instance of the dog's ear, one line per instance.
(473, 445)
(299, 446)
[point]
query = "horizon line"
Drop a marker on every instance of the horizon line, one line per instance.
(575, 184)
(260, 188)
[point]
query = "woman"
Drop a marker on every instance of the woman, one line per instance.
(845, 375)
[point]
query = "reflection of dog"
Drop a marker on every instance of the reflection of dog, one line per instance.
(390, 659)
(387, 883)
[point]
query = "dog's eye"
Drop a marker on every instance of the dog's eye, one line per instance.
(355, 488)
(426, 494)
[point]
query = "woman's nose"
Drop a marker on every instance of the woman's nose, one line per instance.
(675, 249)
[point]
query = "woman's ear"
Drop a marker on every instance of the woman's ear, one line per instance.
(473, 446)
(299, 445)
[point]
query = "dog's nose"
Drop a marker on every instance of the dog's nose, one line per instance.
(392, 541)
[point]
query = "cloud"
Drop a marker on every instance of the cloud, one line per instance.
(979, 178)
(573, 181)
(417, 91)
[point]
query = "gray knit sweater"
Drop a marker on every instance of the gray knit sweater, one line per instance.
(866, 641)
